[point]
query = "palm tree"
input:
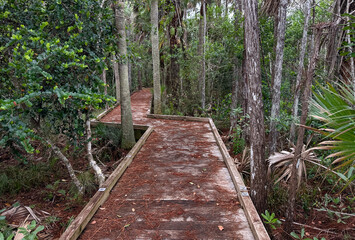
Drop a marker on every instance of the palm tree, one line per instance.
(335, 107)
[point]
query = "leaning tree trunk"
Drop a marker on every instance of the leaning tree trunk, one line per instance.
(97, 170)
(201, 54)
(155, 56)
(117, 78)
(305, 103)
(307, 13)
(69, 167)
(128, 139)
(277, 74)
(255, 105)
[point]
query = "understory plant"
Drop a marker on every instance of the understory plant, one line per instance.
(280, 163)
(334, 107)
(271, 220)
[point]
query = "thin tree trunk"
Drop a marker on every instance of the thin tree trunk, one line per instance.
(201, 53)
(104, 79)
(255, 105)
(245, 98)
(236, 72)
(69, 167)
(185, 33)
(97, 170)
(175, 43)
(117, 78)
(129, 65)
(155, 56)
(139, 77)
(348, 39)
(300, 69)
(128, 139)
(275, 109)
(305, 103)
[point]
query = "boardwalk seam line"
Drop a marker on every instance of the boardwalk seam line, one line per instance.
(78, 225)
(252, 215)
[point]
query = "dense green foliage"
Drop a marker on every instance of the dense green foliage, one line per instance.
(52, 54)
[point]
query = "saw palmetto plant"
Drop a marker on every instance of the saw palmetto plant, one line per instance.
(335, 107)
(280, 164)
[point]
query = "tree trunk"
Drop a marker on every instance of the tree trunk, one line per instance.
(300, 69)
(226, 9)
(255, 105)
(117, 78)
(104, 79)
(237, 76)
(275, 109)
(245, 99)
(97, 170)
(139, 77)
(350, 43)
(69, 167)
(128, 139)
(155, 56)
(201, 53)
(175, 44)
(305, 103)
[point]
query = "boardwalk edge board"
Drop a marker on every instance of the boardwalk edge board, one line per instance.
(78, 225)
(176, 117)
(252, 215)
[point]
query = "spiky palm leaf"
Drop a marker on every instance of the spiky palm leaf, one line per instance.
(281, 163)
(336, 109)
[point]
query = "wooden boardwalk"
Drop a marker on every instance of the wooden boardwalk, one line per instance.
(177, 187)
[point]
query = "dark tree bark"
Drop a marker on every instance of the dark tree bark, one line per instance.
(175, 44)
(305, 103)
(255, 106)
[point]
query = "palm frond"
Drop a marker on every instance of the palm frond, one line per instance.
(280, 163)
(335, 107)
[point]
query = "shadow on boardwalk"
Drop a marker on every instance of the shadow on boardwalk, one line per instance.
(177, 187)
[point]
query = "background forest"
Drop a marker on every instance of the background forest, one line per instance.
(280, 85)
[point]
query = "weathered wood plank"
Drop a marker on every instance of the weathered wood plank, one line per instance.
(80, 222)
(104, 113)
(175, 117)
(252, 215)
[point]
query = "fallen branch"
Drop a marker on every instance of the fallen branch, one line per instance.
(315, 228)
(328, 210)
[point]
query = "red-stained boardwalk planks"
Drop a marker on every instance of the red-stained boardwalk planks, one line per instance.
(177, 187)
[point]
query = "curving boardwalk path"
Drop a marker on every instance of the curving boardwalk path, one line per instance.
(177, 187)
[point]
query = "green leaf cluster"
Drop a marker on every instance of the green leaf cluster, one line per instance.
(52, 54)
